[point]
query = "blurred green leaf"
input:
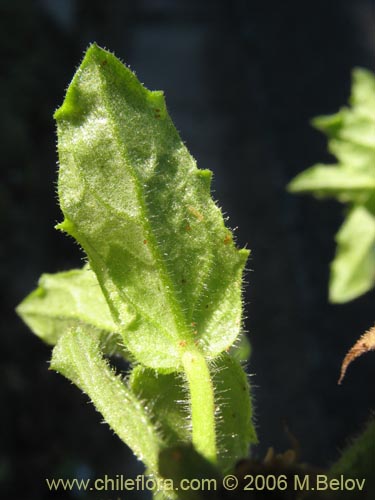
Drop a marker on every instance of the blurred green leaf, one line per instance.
(344, 182)
(353, 269)
(166, 398)
(351, 138)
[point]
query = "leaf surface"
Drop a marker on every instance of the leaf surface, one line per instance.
(133, 198)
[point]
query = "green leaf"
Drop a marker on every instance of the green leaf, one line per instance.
(241, 350)
(77, 356)
(133, 198)
(353, 269)
(165, 395)
(362, 108)
(69, 299)
(235, 429)
(345, 183)
(351, 138)
(358, 157)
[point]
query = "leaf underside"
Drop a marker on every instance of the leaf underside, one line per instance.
(351, 138)
(133, 198)
(353, 269)
(163, 279)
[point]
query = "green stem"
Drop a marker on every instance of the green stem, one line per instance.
(202, 404)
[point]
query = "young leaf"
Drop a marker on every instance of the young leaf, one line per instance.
(235, 429)
(353, 269)
(364, 344)
(77, 356)
(351, 138)
(133, 198)
(69, 299)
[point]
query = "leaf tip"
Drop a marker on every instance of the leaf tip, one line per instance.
(73, 108)
(243, 254)
(335, 296)
(66, 226)
(292, 186)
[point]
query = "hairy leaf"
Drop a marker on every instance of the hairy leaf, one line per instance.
(364, 344)
(68, 299)
(241, 350)
(351, 138)
(133, 198)
(167, 401)
(77, 356)
(235, 429)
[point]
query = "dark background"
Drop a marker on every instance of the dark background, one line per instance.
(242, 79)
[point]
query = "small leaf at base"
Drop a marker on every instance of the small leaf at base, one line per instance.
(77, 356)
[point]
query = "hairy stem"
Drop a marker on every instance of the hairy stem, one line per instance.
(202, 403)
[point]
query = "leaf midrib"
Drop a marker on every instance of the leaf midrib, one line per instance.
(179, 319)
(82, 240)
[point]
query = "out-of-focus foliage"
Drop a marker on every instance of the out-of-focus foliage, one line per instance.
(351, 138)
